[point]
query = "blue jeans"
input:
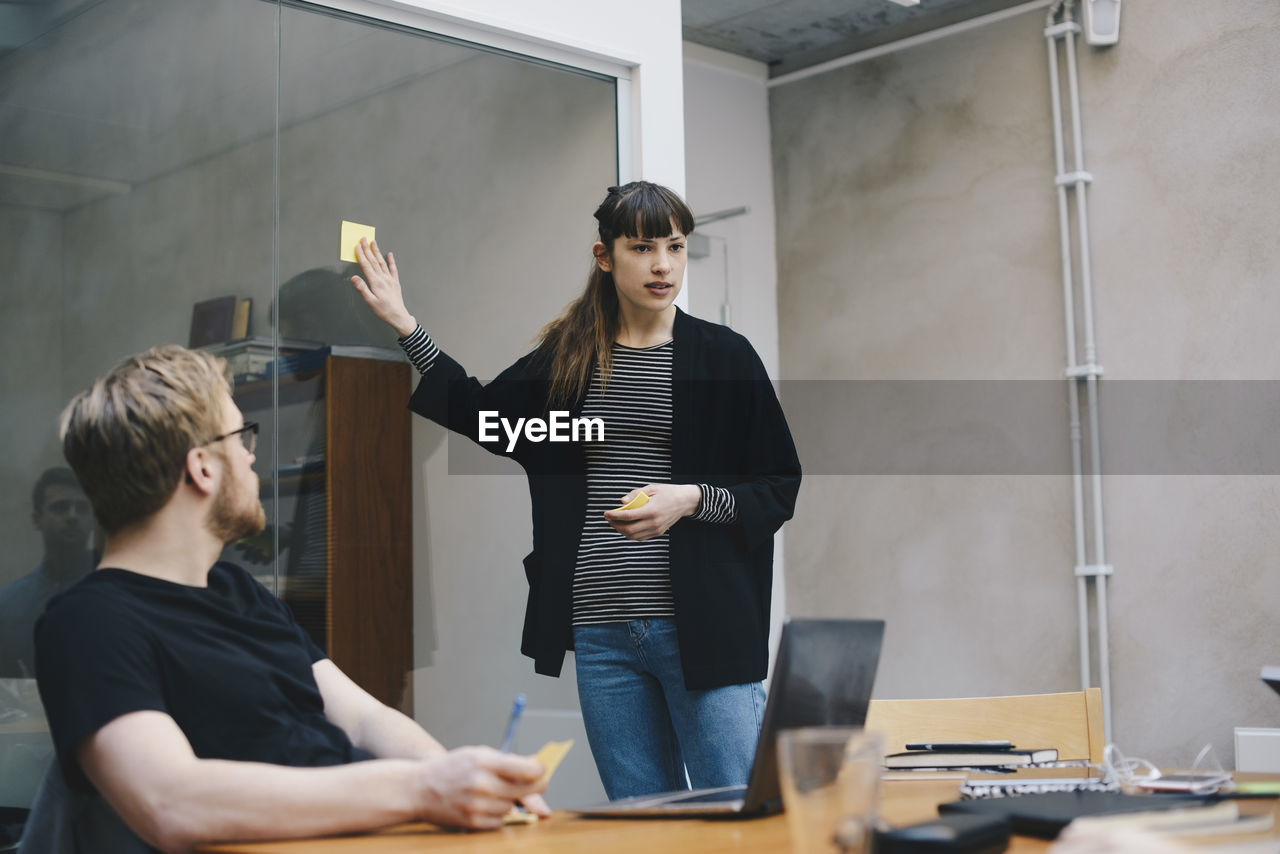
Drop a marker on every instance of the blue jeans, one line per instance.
(645, 728)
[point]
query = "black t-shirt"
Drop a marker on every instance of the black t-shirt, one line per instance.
(227, 662)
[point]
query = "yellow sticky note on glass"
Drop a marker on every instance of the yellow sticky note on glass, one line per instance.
(351, 234)
(551, 754)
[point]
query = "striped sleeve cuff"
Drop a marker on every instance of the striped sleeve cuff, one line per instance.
(717, 505)
(420, 349)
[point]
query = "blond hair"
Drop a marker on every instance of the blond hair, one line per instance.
(128, 434)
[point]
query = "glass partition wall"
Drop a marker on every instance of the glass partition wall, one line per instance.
(177, 172)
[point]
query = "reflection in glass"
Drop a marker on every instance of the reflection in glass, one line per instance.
(136, 181)
(147, 169)
(64, 519)
(463, 160)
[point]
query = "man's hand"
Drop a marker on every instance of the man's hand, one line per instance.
(535, 804)
(144, 766)
(382, 291)
(668, 504)
(476, 786)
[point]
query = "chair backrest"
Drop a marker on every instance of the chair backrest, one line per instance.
(1071, 722)
(64, 821)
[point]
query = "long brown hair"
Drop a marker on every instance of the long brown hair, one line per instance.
(583, 335)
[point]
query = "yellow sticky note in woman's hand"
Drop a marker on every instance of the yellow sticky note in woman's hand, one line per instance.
(640, 500)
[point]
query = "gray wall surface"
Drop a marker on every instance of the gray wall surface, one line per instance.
(727, 155)
(917, 240)
(32, 368)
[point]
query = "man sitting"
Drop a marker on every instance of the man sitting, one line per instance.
(179, 688)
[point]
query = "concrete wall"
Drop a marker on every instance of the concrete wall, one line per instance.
(917, 239)
(727, 152)
(32, 364)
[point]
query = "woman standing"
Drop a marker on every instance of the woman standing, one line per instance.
(666, 606)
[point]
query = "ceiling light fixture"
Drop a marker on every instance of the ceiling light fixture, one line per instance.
(906, 2)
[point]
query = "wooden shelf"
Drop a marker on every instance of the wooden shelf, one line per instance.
(293, 388)
(359, 605)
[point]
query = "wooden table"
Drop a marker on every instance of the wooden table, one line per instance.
(903, 802)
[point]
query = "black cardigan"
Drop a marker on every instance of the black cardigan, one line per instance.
(727, 430)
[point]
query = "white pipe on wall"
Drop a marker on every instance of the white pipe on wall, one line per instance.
(1073, 392)
(1090, 371)
(1091, 381)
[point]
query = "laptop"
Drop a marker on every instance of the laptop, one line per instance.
(822, 676)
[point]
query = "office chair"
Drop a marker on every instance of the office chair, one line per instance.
(11, 821)
(1071, 722)
(64, 821)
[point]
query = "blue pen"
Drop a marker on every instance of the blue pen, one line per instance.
(509, 740)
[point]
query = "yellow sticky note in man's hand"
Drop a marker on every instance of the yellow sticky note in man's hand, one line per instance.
(351, 234)
(520, 815)
(551, 754)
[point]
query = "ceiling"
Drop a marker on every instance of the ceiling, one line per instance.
(80, 116)
(785, 34)
(789, 35)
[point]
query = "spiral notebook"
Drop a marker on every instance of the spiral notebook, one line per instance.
(1077, 777)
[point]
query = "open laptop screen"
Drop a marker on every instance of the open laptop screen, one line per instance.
(823, 676)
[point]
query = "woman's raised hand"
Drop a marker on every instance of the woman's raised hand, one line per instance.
(382, 289)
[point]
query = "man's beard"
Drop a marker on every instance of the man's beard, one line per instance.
(230, 523)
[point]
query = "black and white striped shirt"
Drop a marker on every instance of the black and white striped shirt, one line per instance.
(618, 579)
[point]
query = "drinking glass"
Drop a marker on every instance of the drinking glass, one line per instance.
(830, 780)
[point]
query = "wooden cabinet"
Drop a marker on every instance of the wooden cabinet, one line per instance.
(338, 494)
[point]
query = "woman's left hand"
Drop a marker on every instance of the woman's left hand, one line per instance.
(668, 504)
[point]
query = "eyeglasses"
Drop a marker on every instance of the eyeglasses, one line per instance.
(248, 436)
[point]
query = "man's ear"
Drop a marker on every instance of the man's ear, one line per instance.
(601, 253)
(200, 470)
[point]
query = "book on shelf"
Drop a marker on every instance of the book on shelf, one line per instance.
(368, 351)
(219, 320)
(211, 321)
(977, 758)
(312, 360)
(253, 358)
(240, 319)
